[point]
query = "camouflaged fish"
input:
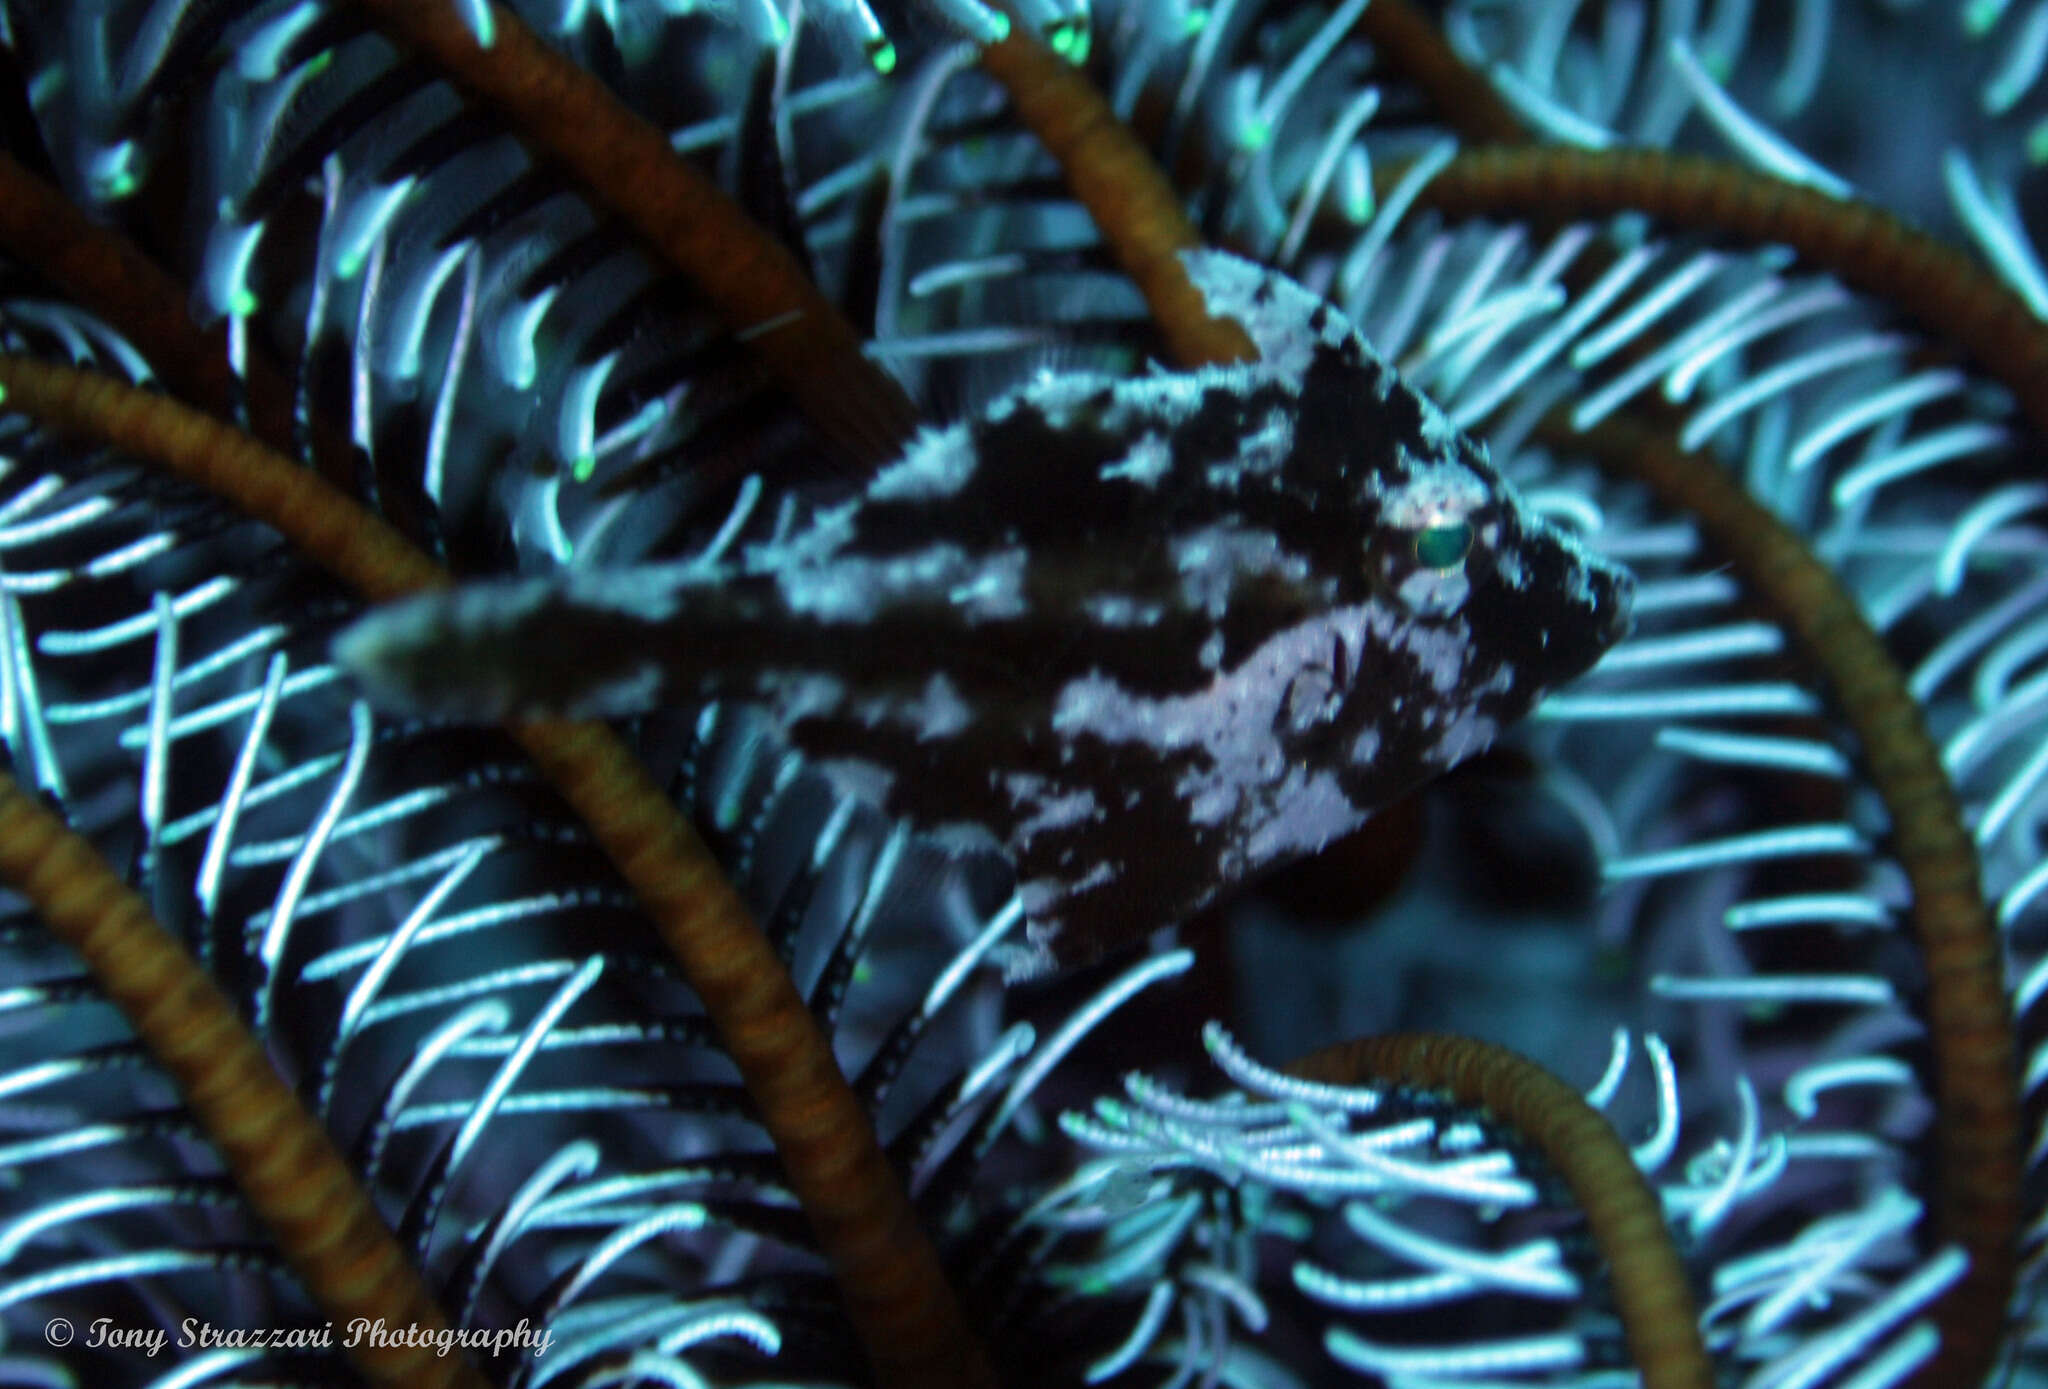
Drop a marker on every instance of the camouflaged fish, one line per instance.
(1148, 636)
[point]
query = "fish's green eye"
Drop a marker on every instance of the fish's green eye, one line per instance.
(1444, 545)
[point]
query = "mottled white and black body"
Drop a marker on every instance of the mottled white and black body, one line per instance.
(1150, 636)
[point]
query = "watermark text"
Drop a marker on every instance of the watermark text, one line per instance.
(104, 1333)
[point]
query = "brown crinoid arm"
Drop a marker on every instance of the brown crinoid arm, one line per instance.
(1977, 1129)
(893, 1284)
(1626, 1219)
(1113, 176)
(281, 1158)
(1977, 1134)
(1866, 247)
(753, 282)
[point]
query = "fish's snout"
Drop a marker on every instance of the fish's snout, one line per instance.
(1614, 597)
(1599, 612)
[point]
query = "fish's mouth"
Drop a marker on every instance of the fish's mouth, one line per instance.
(1602, 616)
(1615, 591)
